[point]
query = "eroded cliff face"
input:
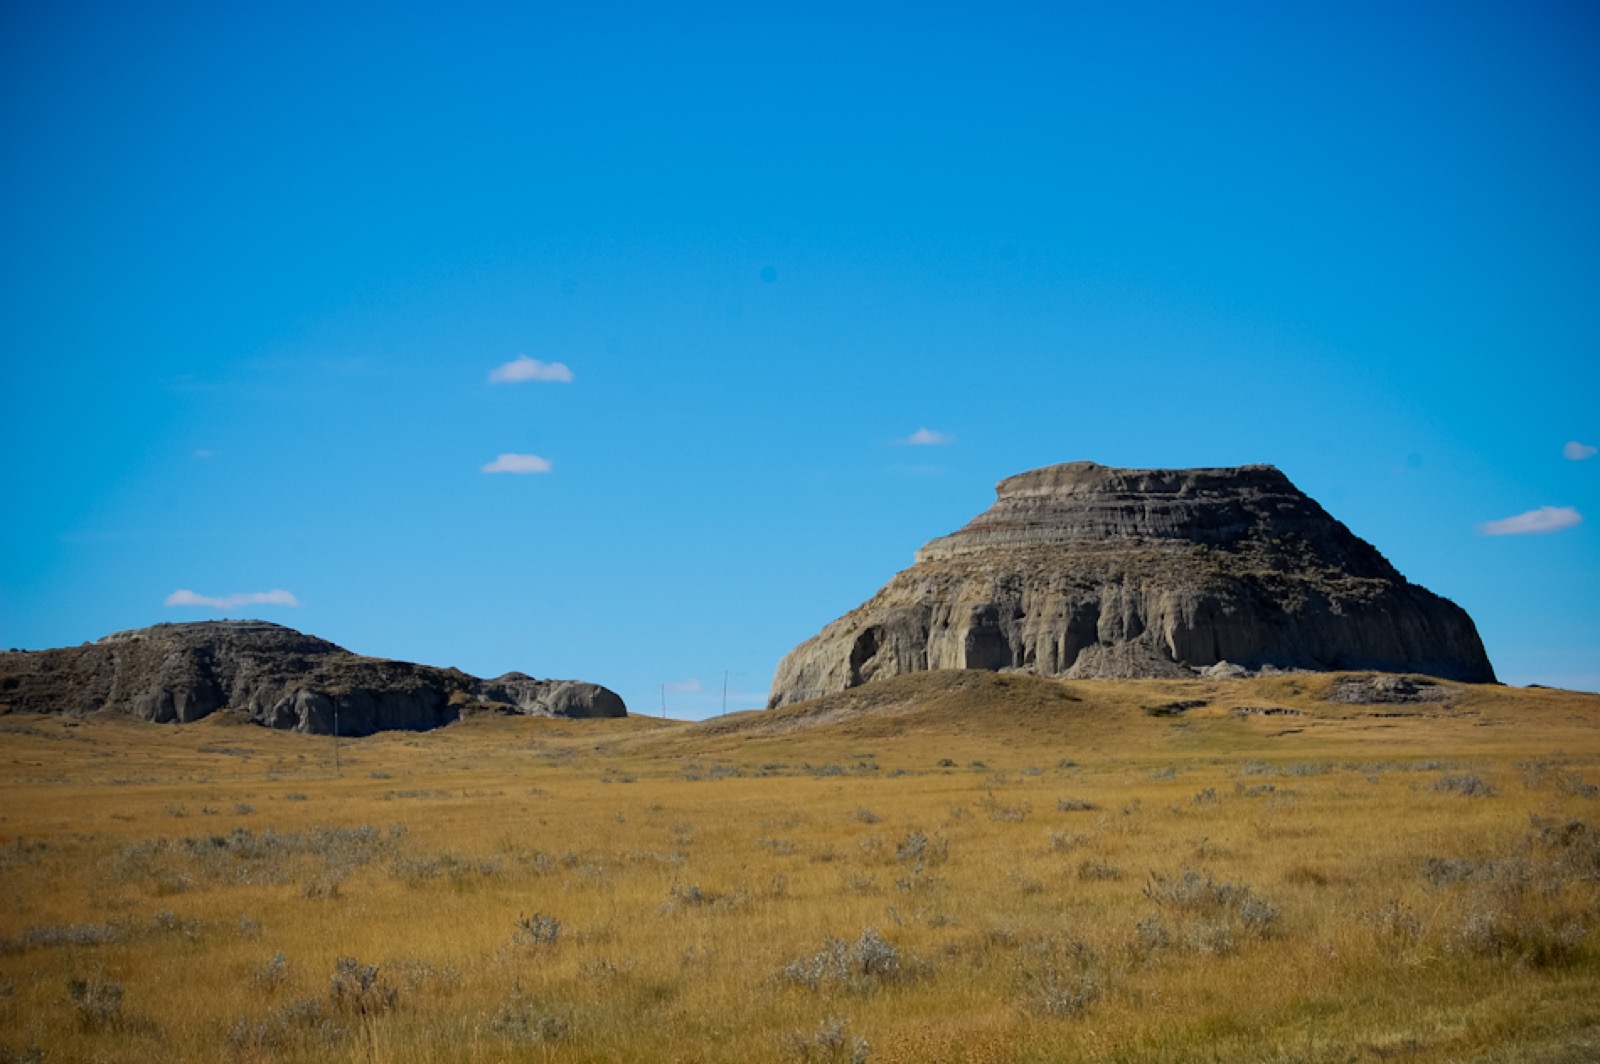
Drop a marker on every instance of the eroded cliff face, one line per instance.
(1084, 571)
(277, 677)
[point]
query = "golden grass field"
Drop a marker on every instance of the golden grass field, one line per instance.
(943, 867)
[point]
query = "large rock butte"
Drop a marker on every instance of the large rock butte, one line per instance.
(275, 676)
(1084, 571)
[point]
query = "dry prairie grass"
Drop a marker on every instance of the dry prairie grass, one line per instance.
(948, 867)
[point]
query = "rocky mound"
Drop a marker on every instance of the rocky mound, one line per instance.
(277, 677)
(1084, 571)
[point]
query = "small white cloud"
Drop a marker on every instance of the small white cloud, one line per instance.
(1577, 452)
(518, 463)
(1544, 519)
(523, 368)
(929, 438)
(275, 597)
(690, 686)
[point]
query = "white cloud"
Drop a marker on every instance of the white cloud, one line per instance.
(276, 597)
(518, 463)
(523, 368)
(1544, 519)
(929, 438)
(1579, 451)
(690, 686)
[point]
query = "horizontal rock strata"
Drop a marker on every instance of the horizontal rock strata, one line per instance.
(1084, 571)
(275, 676)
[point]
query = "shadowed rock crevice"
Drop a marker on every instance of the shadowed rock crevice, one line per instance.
(1083, 571)
(275, 676)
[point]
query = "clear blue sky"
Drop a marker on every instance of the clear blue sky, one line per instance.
(258, 263)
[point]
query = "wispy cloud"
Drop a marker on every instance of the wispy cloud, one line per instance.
(929, 438)
(276, 597)
(518, 463)
(1544, 519)
(1577, 452)
(523, 368)
(690, 686)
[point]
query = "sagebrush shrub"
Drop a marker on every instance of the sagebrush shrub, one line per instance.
(831, 1043)
(97, 1003)
(540, 929)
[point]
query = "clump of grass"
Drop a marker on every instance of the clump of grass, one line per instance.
(1571, 847)
(1466, 784)
(358, 988)
(1520, 933)
(49, 936)
(1061, 978)
(1444, 871)
(540, 929)
(97, 1003)
(272, 974)
(417, 870)
(919, 849)
(415, 975)
(1075, 805)
(300, 1023)
(779, 847)
(1066, 841)
(692, 896)
(831, 1043)
(1218, 912)
(523, 1021)
(1395, 926)
(859, 967)
(1149, 935)
(1572, 783)
(1004, 814)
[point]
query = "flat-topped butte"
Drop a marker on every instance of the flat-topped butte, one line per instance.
(1085, 571)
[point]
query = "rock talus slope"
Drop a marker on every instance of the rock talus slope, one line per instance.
(1083, 571)
(277, 677)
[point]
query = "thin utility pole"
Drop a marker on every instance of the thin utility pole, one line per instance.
(663, 701)
(724, 692)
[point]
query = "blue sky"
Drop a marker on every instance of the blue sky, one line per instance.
(260, 262)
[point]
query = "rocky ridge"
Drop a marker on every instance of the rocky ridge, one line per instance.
(275, 676)
(1084, 571)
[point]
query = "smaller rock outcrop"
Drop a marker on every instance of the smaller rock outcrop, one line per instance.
(275, 676)
(550, 698)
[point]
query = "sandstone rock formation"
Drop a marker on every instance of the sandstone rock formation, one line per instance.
(276, 676)
(1081, 571)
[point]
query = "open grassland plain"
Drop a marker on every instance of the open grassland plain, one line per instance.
(941, 867)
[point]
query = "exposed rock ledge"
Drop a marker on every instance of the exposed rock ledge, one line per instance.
(277, 677)
(1082, 571)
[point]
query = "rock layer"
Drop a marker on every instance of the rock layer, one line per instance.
(1083, 571)
(276, 676)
